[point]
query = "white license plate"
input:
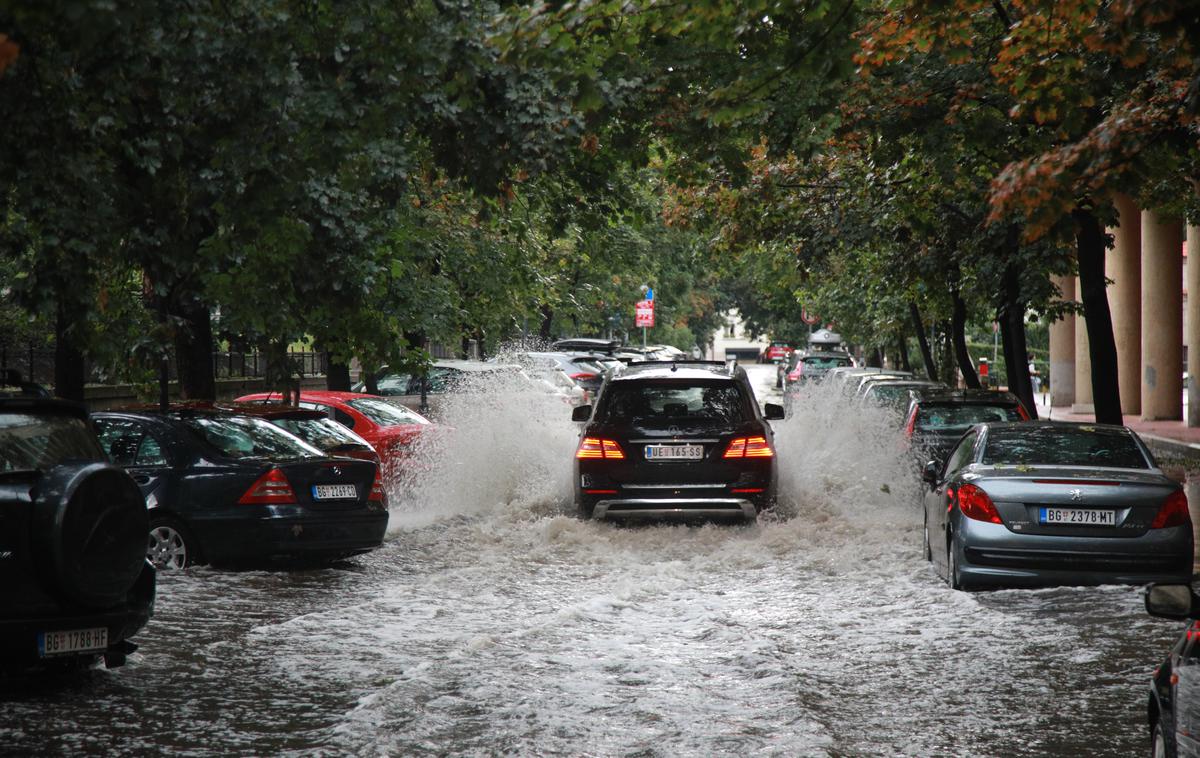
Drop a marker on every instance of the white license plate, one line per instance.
(1079, 516)
(72, 641)
(674, 452)
(334, 492)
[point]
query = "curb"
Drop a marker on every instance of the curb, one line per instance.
(1186, 453)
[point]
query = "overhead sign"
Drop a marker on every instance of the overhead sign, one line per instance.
(643, 313)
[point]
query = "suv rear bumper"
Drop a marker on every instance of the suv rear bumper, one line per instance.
(712, 507)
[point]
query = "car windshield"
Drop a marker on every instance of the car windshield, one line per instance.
(29, 442)
(894, 396)
(384, 413)
(322, 433)
(249, 437)
(961, 417)
(1064, 446)
(818, 361)
(675, 401)
(394, 384)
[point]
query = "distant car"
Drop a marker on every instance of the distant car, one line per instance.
(233, 489)
(1035, 504)
(863, 383)
(893, 394)
(813, 366)
(444, 376)
(390, 430)
(675, 440)
(587, 344)
(776, 351)
(75, 585)
(584, 369)
(936, 418)
(1173, 708)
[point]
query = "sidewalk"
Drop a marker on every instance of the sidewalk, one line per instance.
(1174, 438)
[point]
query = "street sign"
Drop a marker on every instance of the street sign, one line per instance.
(643, 313)
(650, 294)
(810, 320)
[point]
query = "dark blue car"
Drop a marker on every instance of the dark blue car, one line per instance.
(232, 489)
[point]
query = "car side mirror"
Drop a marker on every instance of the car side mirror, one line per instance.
(772, 411)
(581, 413)
(1171, 601)
(930, 473)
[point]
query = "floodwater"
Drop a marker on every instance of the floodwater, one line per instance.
(495, 622)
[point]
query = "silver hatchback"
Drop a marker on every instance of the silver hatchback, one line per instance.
(1045, 503)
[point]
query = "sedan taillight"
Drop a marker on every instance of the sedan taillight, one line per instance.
(377, 494)
(975, 504)
(272, 488)
(595, 447)
(749, 447)
(1174, 512)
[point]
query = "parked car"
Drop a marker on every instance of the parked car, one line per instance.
(936, 418)
(584, 369)
(860, 386)
(810, 366)
(444, 376)
(776, 351)
(75, 585)
(1173, 708)
(675, 439)
(390, 430)
(1033, 504)
(894, 394)
(229, 488)
(587, 345)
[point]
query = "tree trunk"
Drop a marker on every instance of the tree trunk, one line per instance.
(874, 358)
(949, 378)
(337, 375)
(958, 334)
(547, 321)
(1012, 334)
(902, 343)
(68, 360)
(1102, 346)
(926, 354)
(194, 350)
(277, 375)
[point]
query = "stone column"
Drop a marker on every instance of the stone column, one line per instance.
(1124, 267)
(1062, 349)
(1162, 317)
(1083, 367)
(1193, 324)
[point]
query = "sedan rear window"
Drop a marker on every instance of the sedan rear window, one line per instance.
(321, 433)
(675, 401)
(248, 437)
(822, 362)
(384, 413)
(1064, 446)
(951, 418)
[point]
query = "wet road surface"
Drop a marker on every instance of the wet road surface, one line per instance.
(495, 622)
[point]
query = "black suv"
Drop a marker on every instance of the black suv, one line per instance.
(678, 439)
(74, 581)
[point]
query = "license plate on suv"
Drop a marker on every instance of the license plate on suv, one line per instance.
(674, 452)
(72, 641)
(334, 492)
(1079, 516)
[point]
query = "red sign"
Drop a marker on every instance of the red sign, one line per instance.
(807, 318)
(643, 313)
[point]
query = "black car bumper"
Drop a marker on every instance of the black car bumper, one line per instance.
(23, 634)
(272, 535)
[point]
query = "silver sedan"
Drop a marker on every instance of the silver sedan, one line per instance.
(1042, 504)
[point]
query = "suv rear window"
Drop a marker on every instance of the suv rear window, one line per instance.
(1064, 446)
(31, 442)
(675, 401)
(949, 418)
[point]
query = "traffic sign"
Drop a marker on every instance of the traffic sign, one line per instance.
(810, 320)
(643, 313)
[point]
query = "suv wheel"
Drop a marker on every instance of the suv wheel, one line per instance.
(171, 546)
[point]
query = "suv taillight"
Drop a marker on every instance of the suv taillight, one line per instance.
(749, 447)
(1174, 512)
(975, 504)
(911, 426)
(595, 447)
(272, 488)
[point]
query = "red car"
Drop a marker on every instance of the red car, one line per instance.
(778, 351)
(391, 429)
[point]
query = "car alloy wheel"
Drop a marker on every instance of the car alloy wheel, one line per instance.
(1158, 742)
(168, 547)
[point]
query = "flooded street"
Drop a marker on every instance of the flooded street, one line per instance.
(495, 622)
